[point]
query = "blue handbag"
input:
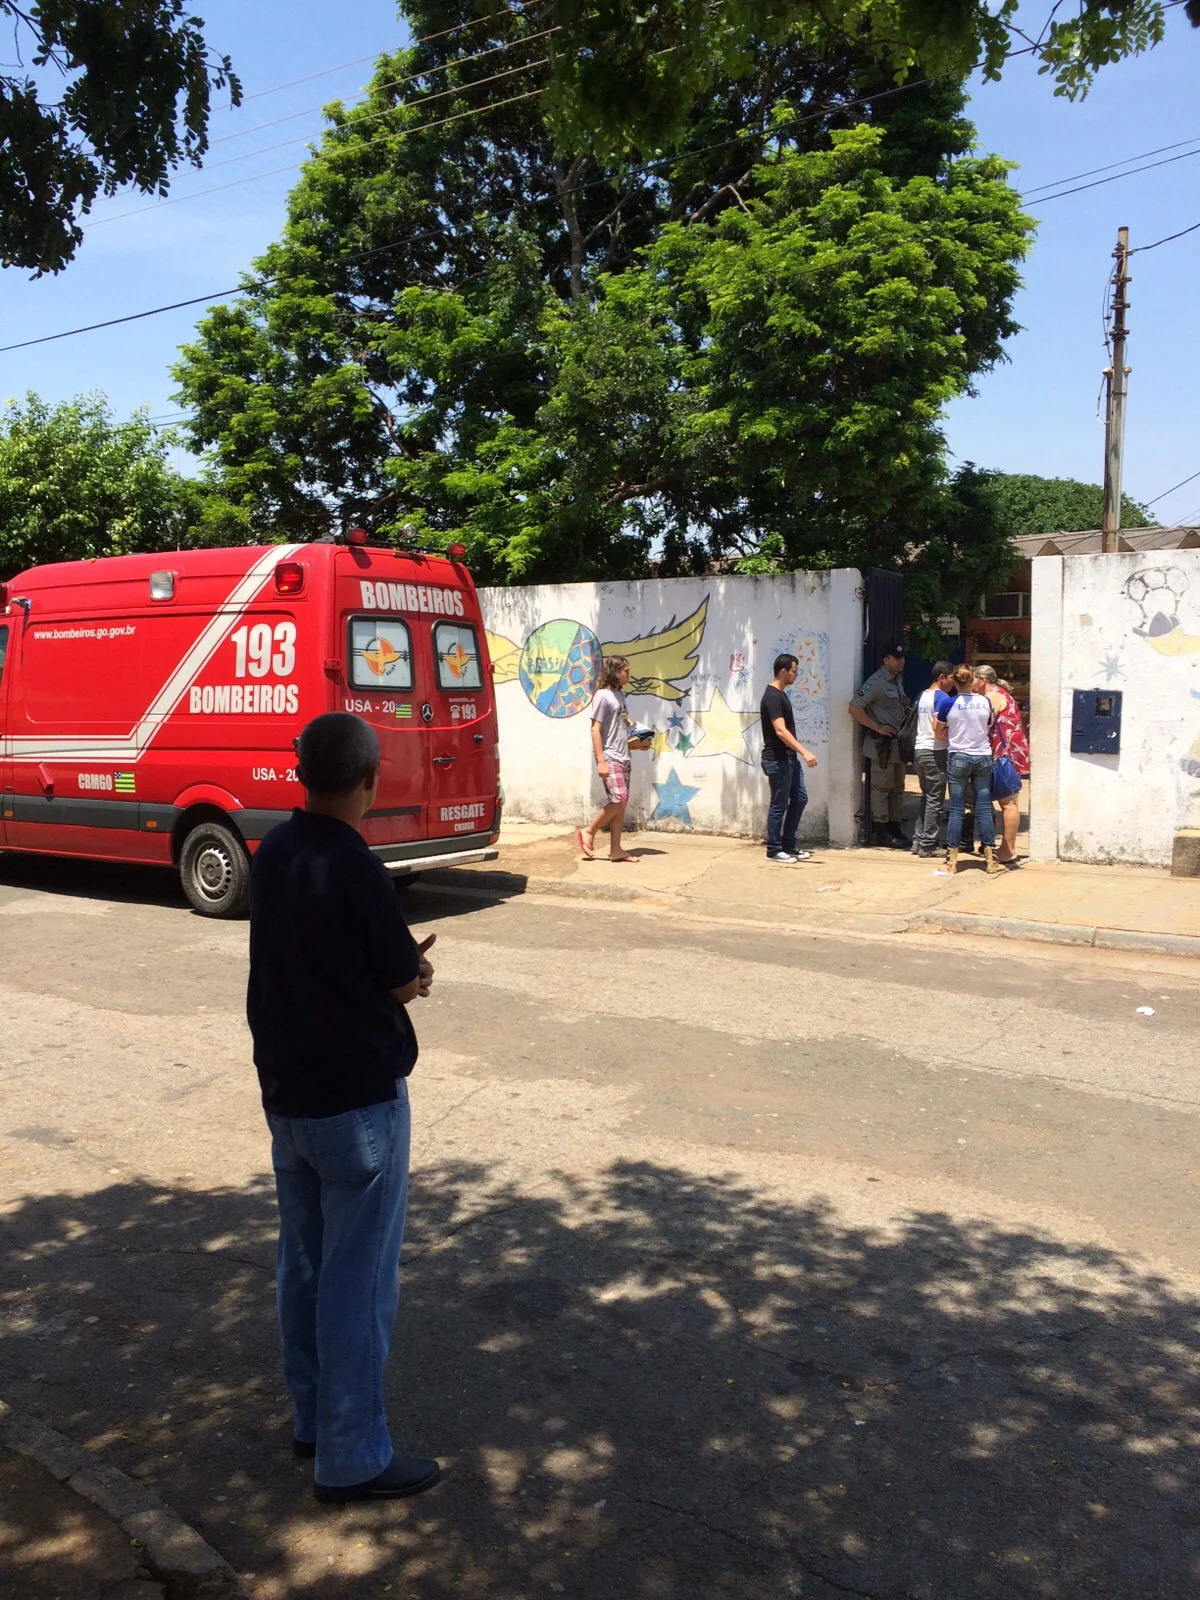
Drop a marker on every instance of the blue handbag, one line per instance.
(1006, 780)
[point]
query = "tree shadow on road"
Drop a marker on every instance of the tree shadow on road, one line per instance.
(647, 1384)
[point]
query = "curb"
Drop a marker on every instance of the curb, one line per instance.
(1076, 933)
(179, 1559)
(484, 885)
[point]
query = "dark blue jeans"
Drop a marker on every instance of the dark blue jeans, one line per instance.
(788, 800)
(342, 1185)
(977, 771)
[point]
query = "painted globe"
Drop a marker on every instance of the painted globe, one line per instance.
(560, 667)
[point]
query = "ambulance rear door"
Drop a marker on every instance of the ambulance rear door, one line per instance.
(462, 728)
(385, 684)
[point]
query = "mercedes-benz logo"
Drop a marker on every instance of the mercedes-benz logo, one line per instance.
(427, 712)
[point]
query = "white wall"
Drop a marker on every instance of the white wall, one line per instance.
(702, 649)
(1128, 622)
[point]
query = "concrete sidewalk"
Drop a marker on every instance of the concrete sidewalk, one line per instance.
(857, 891)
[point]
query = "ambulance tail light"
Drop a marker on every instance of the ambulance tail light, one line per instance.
(356, 536)
(289, 577)
(457, 552)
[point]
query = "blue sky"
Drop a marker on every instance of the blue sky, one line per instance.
(1036, 413)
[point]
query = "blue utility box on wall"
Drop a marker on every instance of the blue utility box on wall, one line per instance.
(1096, 722)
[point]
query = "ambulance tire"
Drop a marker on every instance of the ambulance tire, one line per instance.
(215, 871)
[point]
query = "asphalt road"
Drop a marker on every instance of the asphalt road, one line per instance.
(739, 1264)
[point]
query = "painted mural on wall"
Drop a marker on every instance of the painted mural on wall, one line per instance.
(1158, 593)
(696, 684)
(558, 665)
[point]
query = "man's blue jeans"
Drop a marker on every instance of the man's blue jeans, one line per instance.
(342, 1185)
(977, 771)
(788, 800)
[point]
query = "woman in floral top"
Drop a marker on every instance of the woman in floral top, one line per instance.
(1008, 739)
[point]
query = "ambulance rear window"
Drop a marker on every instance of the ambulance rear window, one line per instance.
(456, 647)
(380, 653)
(3, 649)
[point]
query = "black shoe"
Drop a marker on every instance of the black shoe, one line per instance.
(895, 837)
(306, 1449)
(403, 1475)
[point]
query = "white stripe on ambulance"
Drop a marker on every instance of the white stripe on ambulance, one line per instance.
(411, 597)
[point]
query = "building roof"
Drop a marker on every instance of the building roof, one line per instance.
(1088, 544)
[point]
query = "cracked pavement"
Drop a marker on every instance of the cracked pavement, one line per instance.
(740, 1262)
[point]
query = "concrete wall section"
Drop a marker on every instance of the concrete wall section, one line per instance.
(1045, 706)
(1129, 623)
(701, 652)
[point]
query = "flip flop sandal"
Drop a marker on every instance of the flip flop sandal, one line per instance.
(588, 855)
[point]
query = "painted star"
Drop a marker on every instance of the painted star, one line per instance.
(661, 744)
(725, 728)
(685, 744)
(674, 720)
(673, 798)
(1112, 667)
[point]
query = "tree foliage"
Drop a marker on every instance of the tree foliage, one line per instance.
(586, 368)
(75, 484)
(1022, 502)
(125, 66)
(626, 72)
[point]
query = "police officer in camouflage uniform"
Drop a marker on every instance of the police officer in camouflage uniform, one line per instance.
(879, 707)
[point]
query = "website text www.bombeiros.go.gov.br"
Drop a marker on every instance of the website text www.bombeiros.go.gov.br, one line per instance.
(118, 630)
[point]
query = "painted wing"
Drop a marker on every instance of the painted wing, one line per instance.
(656, 659)
(506, 658)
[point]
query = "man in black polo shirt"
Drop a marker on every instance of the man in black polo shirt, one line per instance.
(781, 758)
(332, 965)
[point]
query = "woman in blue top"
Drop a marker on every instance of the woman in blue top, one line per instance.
(966, 722)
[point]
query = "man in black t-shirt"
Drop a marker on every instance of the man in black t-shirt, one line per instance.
(332, 966)
(781, 758)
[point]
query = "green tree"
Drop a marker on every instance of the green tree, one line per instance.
(964, 547)
(75, 484)
(124, 65)
(626, 72)
(1022, 502)
(581, 368)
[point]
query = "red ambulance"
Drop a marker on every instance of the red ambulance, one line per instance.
(148, 705)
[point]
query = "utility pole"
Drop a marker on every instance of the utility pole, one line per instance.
(1117, 383)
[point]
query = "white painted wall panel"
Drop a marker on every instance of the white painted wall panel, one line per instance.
(701, 651)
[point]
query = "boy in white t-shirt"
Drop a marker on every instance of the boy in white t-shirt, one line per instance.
(930, 758)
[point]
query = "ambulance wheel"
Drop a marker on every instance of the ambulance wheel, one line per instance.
(215, 871)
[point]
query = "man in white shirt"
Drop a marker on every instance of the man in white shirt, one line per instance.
(930, 758)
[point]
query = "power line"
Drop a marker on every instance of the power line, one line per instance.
(1182, 234)
(397, 83)
(134, 316)
(249, 155)
(1174, 486)
(428, 38)
(406, 133)
(433, 233)
(1092, 171)
(1133, 171)
(783, 127)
